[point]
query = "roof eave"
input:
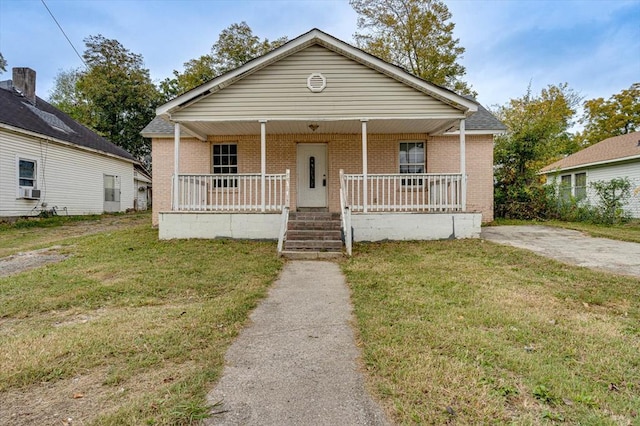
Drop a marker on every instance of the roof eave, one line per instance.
(493, 132)
(586, 165)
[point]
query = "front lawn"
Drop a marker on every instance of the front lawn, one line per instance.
(128, 329)
(471, 332)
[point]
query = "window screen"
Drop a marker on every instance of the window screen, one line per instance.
(225, 162)
(27, 173)
(412, 161)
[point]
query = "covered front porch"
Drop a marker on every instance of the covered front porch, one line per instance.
(372, 205)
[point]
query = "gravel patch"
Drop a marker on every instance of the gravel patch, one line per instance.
(25, 261)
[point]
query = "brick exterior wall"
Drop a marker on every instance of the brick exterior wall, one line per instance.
(344, 152)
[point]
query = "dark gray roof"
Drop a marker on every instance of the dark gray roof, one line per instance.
(46, 120)
(483, 120)
(158, 126)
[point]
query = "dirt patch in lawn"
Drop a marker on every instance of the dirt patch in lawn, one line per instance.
(82, 399)
(16, 256)
(25, 261)
(72, 401)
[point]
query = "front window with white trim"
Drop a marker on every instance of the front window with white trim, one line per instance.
(225, 162)
(573, 186)
(412, 161)
(27, 173)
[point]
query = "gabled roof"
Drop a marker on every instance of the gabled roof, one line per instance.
(315, 36)
(615, 149)
(17, 112)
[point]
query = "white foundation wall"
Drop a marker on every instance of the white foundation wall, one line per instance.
(415, 226)
(66, 176)
(252, 226)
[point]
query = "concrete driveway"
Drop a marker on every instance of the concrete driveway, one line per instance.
(573, 247)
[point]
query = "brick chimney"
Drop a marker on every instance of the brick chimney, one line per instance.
(24, 80)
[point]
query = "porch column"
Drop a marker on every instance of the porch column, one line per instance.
(463, 166)
(176, 165)
(364, 164)
(263, 162)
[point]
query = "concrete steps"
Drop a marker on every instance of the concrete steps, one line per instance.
(313, 235)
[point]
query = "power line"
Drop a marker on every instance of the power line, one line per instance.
(65, 34)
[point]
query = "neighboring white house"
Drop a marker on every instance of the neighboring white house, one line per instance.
(616, 157)
(49, 160)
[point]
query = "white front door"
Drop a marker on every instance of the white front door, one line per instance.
(312, 175)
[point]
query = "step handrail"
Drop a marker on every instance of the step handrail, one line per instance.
(284, 219)
(345, 214)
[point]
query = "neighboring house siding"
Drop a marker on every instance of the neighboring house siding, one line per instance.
(352, 91)
(67, 176)
(630, 170)
(344, 152)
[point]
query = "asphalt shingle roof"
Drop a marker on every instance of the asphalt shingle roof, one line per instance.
(484, 120)
(158, 126)
(611, 149)
(46, 120)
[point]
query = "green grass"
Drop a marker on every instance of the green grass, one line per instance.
(34, 233)
(470, 332)
(149, 319)
(629, 231)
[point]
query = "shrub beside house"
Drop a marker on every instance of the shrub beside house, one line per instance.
(613, 158)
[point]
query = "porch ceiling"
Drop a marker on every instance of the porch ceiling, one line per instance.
(434, 126)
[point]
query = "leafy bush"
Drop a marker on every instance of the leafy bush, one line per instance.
(608, 210)
(612, 196)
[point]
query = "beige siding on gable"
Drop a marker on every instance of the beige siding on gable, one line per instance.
(67, 177)
(352, 91)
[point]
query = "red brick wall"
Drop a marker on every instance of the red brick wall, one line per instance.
(344, 152)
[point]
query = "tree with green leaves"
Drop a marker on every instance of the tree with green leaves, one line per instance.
(196, 72)
(235, 46)
(65, 95)
(537, 134)
(416, 35)
(114, 96)
(618, 115)
(3, 63)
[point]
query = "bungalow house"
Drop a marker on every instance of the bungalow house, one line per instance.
(320, 130)
(616, 157)
(48, 160)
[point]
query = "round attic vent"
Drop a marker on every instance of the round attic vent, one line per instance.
(316, 82)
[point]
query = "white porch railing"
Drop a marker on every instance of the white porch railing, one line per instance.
(416, 192)
(345, 216)
(232, 192)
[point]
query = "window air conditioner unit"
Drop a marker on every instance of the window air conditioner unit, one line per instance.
(30, 193)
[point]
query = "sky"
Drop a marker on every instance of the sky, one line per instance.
(592, 45)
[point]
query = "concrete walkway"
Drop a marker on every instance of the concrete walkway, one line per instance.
(297, 363)
(570, 246)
